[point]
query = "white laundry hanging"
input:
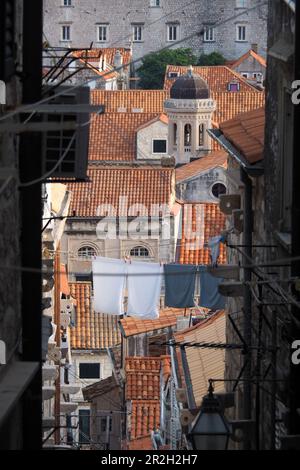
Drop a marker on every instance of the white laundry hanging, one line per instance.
(144, 287)
(109, 278)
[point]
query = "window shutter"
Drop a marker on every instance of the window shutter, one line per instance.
(55, 143)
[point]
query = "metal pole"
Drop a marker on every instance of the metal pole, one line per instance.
(58, 341)
(31, 214)
(247, 241)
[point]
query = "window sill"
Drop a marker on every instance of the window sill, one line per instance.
(241, 40)
(209, 42)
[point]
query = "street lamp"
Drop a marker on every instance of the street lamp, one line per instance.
(210, 430)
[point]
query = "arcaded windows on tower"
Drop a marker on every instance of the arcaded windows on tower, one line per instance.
(175, 134)
(67, 3)
(187, 135)
(173, 32)
(201, 135)
(155, 3)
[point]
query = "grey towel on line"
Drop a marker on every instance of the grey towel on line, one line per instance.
(180, 285)
(209, 294)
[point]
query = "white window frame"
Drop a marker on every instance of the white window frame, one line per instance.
(209, 34)
(64, 28)
(137, 33)
(170, 32)
(155, 3)
(241, 3)
(238, 30)
(66, 3)
(139, 249)
(104, 27)
(159, 153)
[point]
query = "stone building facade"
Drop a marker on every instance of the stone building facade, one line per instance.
(150, 25)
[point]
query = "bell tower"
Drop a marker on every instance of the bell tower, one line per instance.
(189, 110)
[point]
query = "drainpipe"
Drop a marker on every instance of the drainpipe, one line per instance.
(247, 307)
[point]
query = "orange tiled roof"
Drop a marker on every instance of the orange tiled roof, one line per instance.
(168, 317)
(113, 135)
(214, 223)
(217, 77)
(246, 133)
(144, 417)
(165, 367)
(229, 104)
(92, 330)
(147, 101)
(93, 55)
(143, 443)
(142, 378)
(250, 53)
(147, 186)
(211, 160)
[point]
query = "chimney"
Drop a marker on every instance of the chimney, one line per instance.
(118, 59)
(254, 47)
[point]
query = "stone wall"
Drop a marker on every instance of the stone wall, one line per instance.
(119, 15)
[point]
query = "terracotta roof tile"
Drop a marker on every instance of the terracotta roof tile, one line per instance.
(229, 103)
(165, 367)
(93, 55)
(140, 101)
(92, 330)
(192, 238)
(217, 77)
(246, 133)
(144, 418)
(143, 443)
(168, 317)
(113, 135)
(250, 53)
(142, 378)
(145, 186)
(212, 160)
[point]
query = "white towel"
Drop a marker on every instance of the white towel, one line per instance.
(144, 291)
(109, 277)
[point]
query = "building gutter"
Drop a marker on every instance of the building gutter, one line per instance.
(255, 170)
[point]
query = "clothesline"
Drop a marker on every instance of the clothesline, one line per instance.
(143, 297)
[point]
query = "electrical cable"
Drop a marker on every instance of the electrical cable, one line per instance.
(25, 107)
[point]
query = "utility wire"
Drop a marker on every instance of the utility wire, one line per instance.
(24, 108)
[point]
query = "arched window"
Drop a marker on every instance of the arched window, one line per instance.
(139, 251)
(86, 252)
(187, 135)
(201, 135)
(175, 133)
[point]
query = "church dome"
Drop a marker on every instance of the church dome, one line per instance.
(190, 87)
